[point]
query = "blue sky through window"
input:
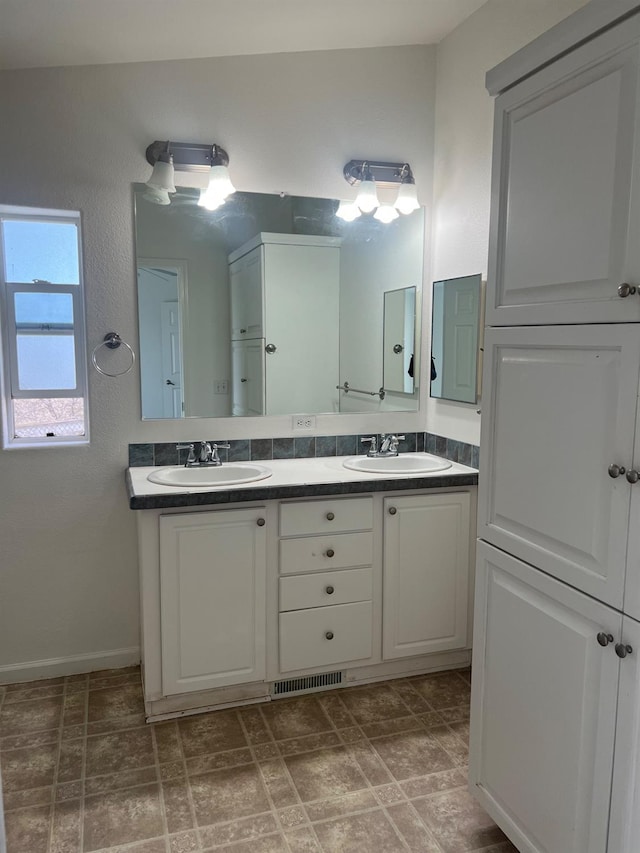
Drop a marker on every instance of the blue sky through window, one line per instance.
(41, 250)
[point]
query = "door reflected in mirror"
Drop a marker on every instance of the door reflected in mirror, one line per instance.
(399, 340)
(270, 303)
(454, 338)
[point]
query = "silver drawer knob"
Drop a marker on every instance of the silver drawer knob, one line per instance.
(392, 510)
(330, 516)
(261, 522)
(329, 635)
(329, 590)
(616, 470)
(604, 639)
(623, 649)
(633, 476)
(270, 349)
(243, 331)
(625, 290)
(329, 552)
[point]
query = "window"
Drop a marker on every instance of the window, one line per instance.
(43, 341)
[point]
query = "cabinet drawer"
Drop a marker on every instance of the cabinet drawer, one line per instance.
(312, 553)
(304, 642)
(332, 515)
(324, 588)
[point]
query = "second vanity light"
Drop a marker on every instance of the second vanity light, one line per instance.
(367, 175)
(188, 157)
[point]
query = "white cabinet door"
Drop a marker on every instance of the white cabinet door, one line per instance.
(565, 196)
(426, 573)
(212, 599)
(246, 275)
(543, 710)
(559, 409)
(247, 377)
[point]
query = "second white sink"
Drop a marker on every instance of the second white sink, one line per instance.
(407, 463)
(228, 474)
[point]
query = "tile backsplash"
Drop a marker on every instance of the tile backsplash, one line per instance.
(303, 447)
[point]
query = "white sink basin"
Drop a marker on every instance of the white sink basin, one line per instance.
(407, 463)
(228, 474)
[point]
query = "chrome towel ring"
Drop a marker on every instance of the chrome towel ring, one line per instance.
(112, 340)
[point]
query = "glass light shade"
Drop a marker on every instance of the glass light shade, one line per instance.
(407, 200)
(386, 213)
(220, 183)
(348, 210)
(162, 175)
(156, 196)
(367, 198)
(209, 200)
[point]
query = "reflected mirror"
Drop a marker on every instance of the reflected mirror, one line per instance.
(454, 338)
(399, 321)
(269, 304)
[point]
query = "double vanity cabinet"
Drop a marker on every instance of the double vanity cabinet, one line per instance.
(251, 597)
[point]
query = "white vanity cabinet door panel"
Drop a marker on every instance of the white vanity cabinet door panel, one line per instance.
(624, 825)
(247, 313)
(559, 409)
(212, 599)
(564, 222)
(543, 712)
(426, 573)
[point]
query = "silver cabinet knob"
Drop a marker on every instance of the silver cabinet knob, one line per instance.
(261, 522)
(330, 516)
(270, 348)
(329, 590)
(329, 552)
(625, 290)
(623, 649)
(392, 510)
(329, 635)
(243, 380)
(243, 331)
(604, 639)
(633, 476)
(616, 470)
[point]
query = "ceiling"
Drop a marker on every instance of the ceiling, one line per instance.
(41, 33)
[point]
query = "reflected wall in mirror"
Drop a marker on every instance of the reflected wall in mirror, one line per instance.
(454, 338)
(399, 340)
(268, 304)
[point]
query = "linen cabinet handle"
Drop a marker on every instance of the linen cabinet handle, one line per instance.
(329, 552)
(330, 516)
(261, 522)
(329, 590)
(392, 510)
(616, 470)
(604, 639)
(329, 635)
(623, 649)
(626, 289)
(633, 476)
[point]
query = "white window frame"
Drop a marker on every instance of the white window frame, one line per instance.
(9, 332)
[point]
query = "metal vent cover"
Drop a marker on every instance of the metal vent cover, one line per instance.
(306, 683)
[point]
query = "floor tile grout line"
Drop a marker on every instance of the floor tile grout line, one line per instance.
(56, 770)
(163, 810)
(83, 768)
(192, 805)
(432, 837)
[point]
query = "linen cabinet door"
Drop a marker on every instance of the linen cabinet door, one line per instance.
(624, 825)
(426, 574)
(559, 411)
(565, 223)
(543, 707)
(212, 599)
(247, 309)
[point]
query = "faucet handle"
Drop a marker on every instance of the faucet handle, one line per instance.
(191, 458)
(220, 446)
(373, 442)
(394, 440)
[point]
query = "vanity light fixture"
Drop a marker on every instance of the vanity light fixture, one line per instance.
(367, 175)
(348, 210)
(188, 157)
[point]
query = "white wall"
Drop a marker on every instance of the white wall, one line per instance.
(462, 167)
(75, 138)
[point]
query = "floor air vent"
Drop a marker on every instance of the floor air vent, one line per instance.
(308, 682)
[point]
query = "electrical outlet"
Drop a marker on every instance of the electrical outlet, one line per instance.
(220, 386)
(304, 421)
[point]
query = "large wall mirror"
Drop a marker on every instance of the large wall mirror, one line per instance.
(456, 310)
(270, 304)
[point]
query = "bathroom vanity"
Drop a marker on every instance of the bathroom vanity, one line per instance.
(319, 576)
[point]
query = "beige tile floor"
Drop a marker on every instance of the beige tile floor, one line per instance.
(379, 768)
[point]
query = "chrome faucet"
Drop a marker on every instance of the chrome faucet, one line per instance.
(372, 441)
(388, 445)
(207, 454)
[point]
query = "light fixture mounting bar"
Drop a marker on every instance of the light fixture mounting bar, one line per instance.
(188, 156)
(383, 173)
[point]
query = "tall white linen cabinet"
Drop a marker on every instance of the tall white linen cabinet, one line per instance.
(555, 721)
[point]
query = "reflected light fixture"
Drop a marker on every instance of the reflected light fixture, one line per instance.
(188, 157)
(348, 210)
(368, 175)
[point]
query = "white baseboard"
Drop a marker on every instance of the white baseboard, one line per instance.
(53, 667)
